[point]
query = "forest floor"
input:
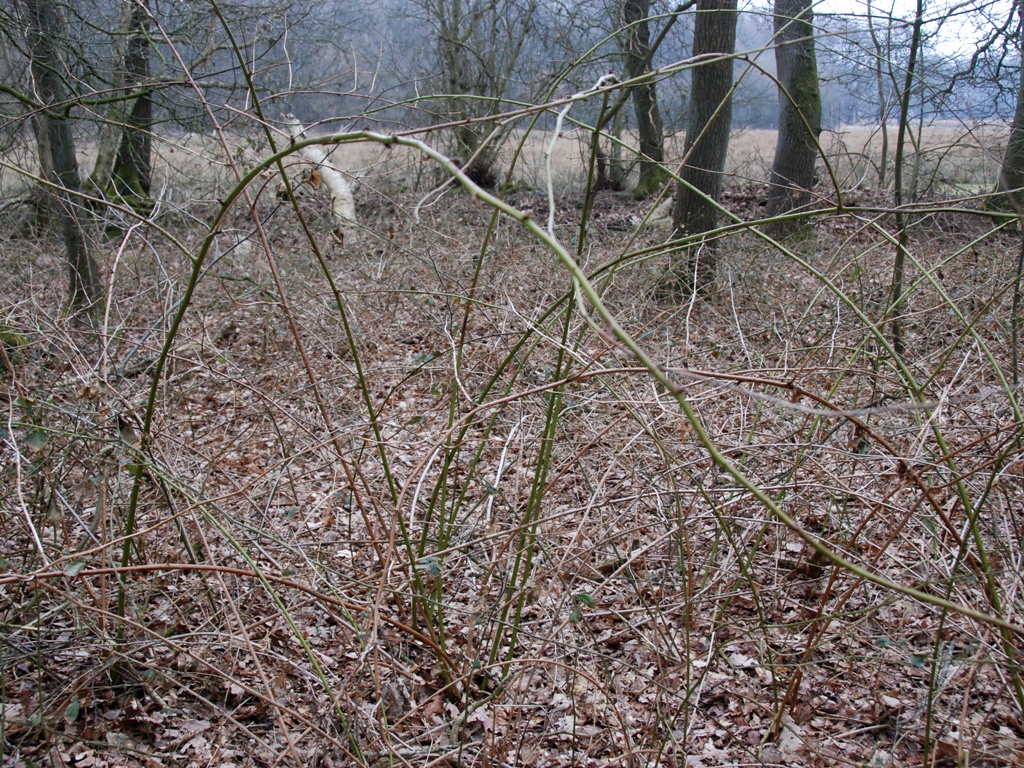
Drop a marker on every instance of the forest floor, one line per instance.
(430, 512)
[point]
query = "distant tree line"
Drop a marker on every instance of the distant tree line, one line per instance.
(122, 70)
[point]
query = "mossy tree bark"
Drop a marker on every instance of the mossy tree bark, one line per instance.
(43, 31)
(645, 98)
(1011, 173)
(43, 199)
(707, 141)
(123, 167)
(796, 149)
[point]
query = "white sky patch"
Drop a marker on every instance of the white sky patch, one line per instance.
(955, 27)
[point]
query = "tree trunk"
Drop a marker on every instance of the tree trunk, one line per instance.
(895, 309)
(134, 158)
(479, 50)
(478, 161)
(134, 168)
(1011, 174)
(611, 173)
(707, 141)
(43, 199)
(645, 98)
(799, 114)
(883, 101)
(43, 26)
(123, 167)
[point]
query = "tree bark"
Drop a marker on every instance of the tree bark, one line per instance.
(883, 101)
(707, 141)
(43, 25)
(134, 159)
(895, 309)
(611, 173)
(799, 114)
(479, 49)
(123, 167)
(43, 199)
(645, 98)
(343, 204)
(1011, 174)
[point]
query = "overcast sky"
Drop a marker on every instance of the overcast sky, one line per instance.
(963, 24)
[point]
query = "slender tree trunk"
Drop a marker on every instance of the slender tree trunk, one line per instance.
(707, 141)
(903, 237)
(645, 98)
(611, 174)
(1011, 174)
(883, 101)
(135, 155)
(43, 25)
(799, 113)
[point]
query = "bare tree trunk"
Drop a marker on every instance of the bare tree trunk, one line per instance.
(43, 199)
(611, 173)
(43, 25)
(123, 167)
(707, 141)
(883, 101)
(799, 114)
(645, 98)
(1011, 174)
(903, 237)
(479, 51)
(134, 158)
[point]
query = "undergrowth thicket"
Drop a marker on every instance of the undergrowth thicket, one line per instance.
(461, 486)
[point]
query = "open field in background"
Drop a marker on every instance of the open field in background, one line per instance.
(953, 160)
(414, 505)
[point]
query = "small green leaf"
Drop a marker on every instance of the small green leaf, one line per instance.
(36, 439)
(584, 598)
(71, 713)
(74, 569)
(429, 564)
